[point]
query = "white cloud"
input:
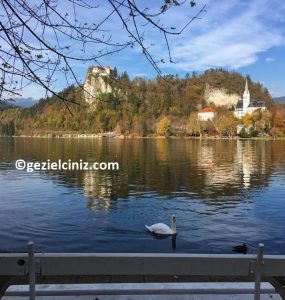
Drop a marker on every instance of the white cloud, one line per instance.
(270, 59)
(233, 37)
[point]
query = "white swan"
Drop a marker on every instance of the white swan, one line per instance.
(161, 228)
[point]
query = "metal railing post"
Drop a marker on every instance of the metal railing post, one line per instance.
(32, 271)
(258, 271)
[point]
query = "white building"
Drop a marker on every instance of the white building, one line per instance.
(206, 114)
(247, 105)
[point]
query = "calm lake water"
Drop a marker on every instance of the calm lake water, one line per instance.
(239, 198)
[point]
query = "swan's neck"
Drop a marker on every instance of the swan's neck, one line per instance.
(173, 225)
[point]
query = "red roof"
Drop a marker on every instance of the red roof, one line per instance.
(206, 109)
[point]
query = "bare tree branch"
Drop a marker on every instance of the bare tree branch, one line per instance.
(42, 40)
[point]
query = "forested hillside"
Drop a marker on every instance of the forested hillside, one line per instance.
(135, 106)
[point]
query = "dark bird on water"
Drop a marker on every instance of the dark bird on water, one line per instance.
(240, 248)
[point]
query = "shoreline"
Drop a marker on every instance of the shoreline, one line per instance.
(135, 137)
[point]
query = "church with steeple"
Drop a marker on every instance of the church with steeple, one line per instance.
(247, 105)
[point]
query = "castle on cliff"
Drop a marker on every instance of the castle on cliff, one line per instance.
(98, 70)
(96, 83)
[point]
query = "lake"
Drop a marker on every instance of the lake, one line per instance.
(223, 193)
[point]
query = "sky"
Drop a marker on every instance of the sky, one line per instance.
(244, 36)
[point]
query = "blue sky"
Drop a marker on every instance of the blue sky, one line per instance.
(240, 35)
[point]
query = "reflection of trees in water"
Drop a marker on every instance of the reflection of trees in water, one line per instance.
(162, 166)
(101, 188)
(237, 165)
(98, 189)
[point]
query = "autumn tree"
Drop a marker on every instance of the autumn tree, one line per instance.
(256, 116)
(163, 127)
(194, 125)
(258, 120)
(278, 121)
(230, 123)
(247, 120)
(266, 120)
(218, 122)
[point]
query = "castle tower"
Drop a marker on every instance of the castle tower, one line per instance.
(107, 70)
(246, 97)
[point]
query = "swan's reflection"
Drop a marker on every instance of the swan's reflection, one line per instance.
(173, 242)
(164, 237)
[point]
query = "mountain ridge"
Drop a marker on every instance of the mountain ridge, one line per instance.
(279, 99)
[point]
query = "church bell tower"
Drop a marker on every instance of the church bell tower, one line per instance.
(246, 97)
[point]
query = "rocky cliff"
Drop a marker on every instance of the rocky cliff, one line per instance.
(220, 97)
(96, 82)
